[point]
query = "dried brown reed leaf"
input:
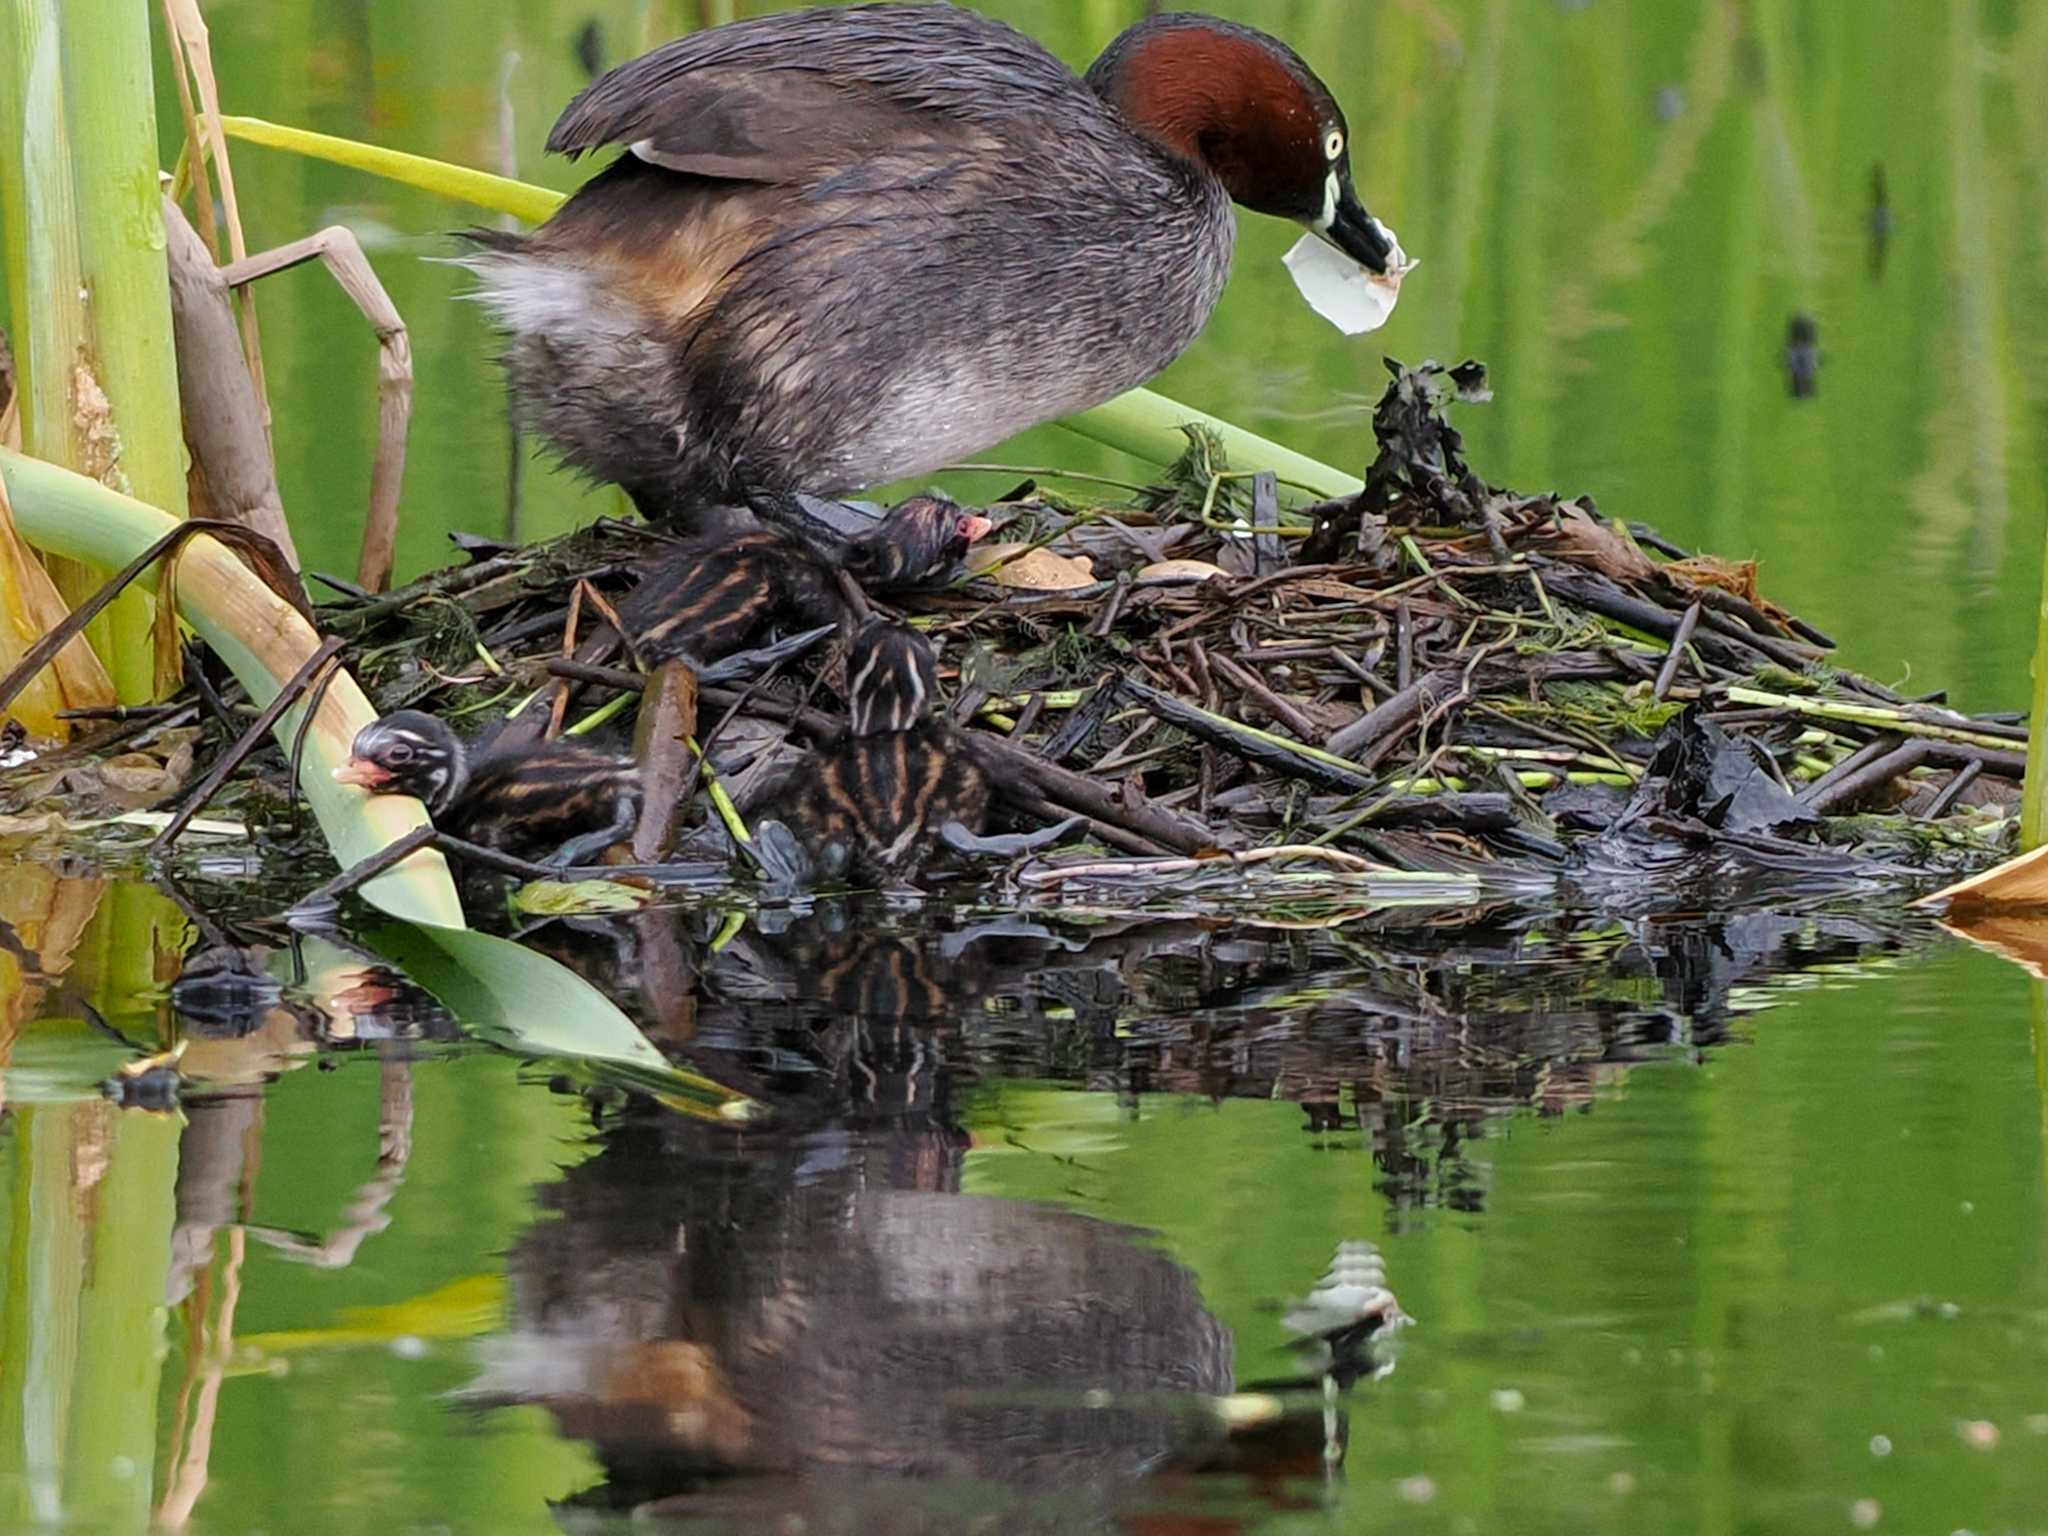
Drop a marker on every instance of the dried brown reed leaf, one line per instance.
(33, 607)
(207, 142)
(1736, 576)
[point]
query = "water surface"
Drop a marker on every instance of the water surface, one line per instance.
(1704, 1225)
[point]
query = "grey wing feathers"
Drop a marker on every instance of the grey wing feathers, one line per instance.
(754, 99)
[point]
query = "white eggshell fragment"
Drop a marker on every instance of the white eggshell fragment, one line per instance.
(1349, 296)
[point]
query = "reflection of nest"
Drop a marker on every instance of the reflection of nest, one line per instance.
(1408, 1032)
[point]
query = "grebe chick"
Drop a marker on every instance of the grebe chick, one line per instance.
(553, 801)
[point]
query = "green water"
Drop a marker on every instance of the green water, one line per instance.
(1706, 1227)
(1718, 1226)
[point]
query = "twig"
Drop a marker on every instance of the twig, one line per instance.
(1041, 809)
(295, 759)
(1279, 708)
(320, 901)
(1845, 789)
(45, 650)
(1668, 673)
(448, 583)
(1261, 747)
(604, 677)
(1392, 719)
(1080, 725)
(1952, 791)
(247, 742)
(1009, 765)
(1855, 762)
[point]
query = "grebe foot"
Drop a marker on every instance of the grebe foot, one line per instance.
(1006, 845)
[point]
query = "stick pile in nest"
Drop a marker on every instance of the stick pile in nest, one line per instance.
(1436, 675)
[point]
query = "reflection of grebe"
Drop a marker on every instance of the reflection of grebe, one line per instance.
(783, 1314)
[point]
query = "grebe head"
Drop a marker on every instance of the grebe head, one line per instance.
(892, 681)
(1246, 108)
(916, 540)
(407, 753)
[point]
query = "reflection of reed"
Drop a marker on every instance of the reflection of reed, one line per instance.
(1614, 252)
(81, 1298)
(42, 919)
(219, 1155)
(1964, 493)
(367, 1213)
(207, 1347)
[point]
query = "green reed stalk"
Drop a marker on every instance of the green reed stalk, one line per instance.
(82, 242)
(258, 635)
(2034, 799)
(91, 1202)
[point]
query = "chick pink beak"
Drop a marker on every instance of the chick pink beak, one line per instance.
(973, 527)
(362, 772)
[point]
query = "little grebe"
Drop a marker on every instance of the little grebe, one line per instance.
(713, 594)
(553, 800)
(869, 807)
(848, 246)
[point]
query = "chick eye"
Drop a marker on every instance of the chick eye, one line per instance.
(1333, 146)
(399, 753)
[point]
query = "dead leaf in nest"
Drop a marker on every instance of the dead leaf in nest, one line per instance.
(1165, 571)
(1028, 569)
(27, 828)
(138, 776)
(1737, 576)
(1579, 539)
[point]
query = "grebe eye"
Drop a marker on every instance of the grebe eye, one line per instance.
(399, 752)
(1333, 146)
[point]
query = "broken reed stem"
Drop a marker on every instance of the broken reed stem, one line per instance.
(728, 813)
(1529, 779)
(225, 422)
(1276, 752)
(1873, 715)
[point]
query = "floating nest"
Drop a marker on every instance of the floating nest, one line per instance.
(1437, 687)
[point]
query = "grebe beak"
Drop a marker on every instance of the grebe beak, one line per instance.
(362, 772)
(1358, 234)
(972, 527)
